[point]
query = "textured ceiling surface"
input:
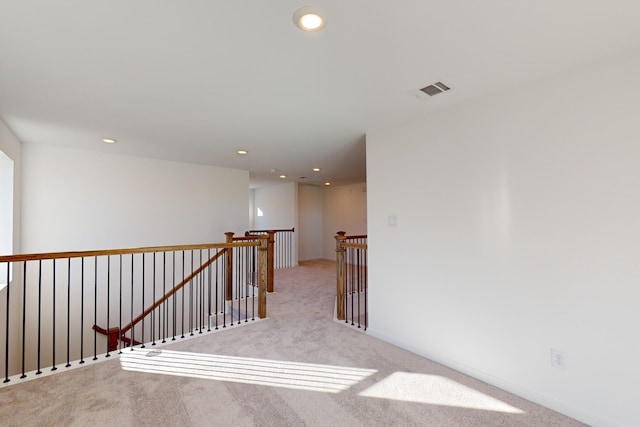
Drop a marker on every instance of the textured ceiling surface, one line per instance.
(196, 80)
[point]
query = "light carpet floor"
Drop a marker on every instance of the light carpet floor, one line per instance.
(296, 368)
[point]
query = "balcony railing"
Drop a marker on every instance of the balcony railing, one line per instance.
(63, 309)
(280, 251)
(283, 246)
(352, 283)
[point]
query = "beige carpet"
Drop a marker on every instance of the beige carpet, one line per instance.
(296, 368)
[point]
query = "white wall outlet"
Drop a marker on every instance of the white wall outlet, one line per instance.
(558, 359)
(392, 220)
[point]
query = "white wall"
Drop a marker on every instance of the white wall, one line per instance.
(279, 204)
(517, 232)
(6, 207)
(345, 209)
(12, 149)
(310, 222)
(80, 200)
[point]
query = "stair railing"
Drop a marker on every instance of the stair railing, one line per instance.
(54, 302)
(283, 246)
(352, 279)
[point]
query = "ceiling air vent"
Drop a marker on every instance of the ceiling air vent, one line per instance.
(435, 89)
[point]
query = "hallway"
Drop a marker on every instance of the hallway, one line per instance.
(298, 367)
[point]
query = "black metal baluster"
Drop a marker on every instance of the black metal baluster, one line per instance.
(358, 256)
(174, 298)
(143, 277)
(224, 291)
(191, 298)
(153, 312)
(24, 313)
(247, 278)
(239, 283)
(351, 252)
(6, 345)
(202, 294)
(347, 272)
(209, 290)
(256, 280)
(108, 302)
(53, 343)
(199, 298)
(234, 276)
(239, 279)
(120, 308)
(95, 307)
(183, 292)
(39, 311)
(346, 283)
(197, 301)
(133, 327)
(82, 312)
(164, 297)
(217, 284)
(68, 313)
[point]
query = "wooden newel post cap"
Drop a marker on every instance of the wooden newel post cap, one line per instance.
(341, 234)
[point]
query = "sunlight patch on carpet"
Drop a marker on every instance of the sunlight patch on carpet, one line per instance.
(299, 376)
(435, 390)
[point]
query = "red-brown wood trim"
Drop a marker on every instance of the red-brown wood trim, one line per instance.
(105, 252)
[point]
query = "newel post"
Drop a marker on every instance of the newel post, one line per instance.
(270, 259)
(340, 279)
(262, 285)
(229, 268)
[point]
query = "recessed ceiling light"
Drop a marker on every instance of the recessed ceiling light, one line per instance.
(308, 19)
(327, 183)
(316, 169)
(283, 176)
(243, 152)
(109, 140)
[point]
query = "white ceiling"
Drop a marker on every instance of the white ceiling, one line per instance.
(195, 80)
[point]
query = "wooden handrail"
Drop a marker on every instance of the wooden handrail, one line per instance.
(170, 293)
(247, 238)
(105, 252)
(356, 236)
(275, 230)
